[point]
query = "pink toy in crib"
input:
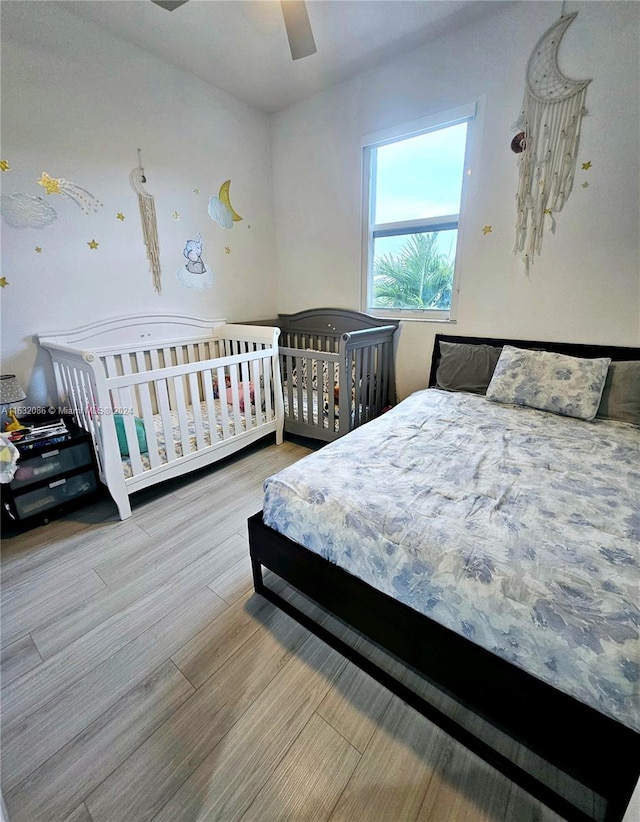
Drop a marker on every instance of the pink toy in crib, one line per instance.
(240, 394)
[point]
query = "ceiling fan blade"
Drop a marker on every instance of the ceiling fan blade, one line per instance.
(169, 5)
(299, 32)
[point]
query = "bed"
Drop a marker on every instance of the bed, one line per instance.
(337, 368)
(163, 395)
(493, 547)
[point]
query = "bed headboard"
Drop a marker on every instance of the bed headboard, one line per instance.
(616, 353)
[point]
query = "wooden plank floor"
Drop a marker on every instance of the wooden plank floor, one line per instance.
(143, 680)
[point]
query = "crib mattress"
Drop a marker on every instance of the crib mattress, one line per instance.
(516, 528)
(193, 443)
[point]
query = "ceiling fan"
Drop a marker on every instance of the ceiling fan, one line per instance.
(296, 21)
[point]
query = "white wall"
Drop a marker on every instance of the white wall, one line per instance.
(77, 102)
(585, 287)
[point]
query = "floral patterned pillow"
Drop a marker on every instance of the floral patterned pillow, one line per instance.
(570, 386)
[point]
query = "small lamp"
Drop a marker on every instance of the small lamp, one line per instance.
(10, 391)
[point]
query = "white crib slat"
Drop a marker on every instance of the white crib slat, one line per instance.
(162, 394)
(125, 400)
(88, 404)
(77, 396)
(257, 391)
(196, 410)
(181, 409)
(167, 355)
(246, 395)
(75, 392)
(224, 409)
(267, 365)
(180, 351)
(149, 428)
(125, 360)
(110, 365)
(207, 378)
(235, 396)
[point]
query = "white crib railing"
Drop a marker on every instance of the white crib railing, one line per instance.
(197, 400)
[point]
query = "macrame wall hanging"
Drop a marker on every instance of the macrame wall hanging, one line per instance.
(149, 222)
(547, 140)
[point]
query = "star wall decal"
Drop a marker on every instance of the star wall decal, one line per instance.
(196, 191)
(4, 165)
(175, 215)
(93, 244)
(120, 216)
(585, 185)
(80, 196)
(487, 229)
(50, 185)
(38, 249)
(227, 250)
(3, 280)
(586, 166)
(548, 211)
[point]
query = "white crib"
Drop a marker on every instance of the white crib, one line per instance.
(171, 393)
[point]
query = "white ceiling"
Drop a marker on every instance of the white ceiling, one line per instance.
(241, 46)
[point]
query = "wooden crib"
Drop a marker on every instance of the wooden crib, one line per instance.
(163, 395)
(338, 370)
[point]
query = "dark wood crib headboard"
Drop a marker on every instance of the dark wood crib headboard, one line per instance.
(335, 320)
(615, 352)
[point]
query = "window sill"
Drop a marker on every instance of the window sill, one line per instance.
(409, 319)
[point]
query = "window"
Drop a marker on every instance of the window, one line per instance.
(413, 189)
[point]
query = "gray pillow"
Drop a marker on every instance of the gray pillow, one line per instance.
(570, 386)
(466, 367)
(621, 395)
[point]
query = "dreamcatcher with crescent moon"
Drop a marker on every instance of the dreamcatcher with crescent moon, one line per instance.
(149, 221)
(547, 140)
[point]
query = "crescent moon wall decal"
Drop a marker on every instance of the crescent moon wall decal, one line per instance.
(549, 126)
(544, 78)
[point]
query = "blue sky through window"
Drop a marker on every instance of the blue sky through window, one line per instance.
(420, 176)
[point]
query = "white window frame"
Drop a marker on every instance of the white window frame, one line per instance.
(435, 122)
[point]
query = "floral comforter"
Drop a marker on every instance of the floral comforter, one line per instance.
(514, 527)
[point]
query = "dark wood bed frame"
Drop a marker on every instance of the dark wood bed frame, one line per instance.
(593, 749)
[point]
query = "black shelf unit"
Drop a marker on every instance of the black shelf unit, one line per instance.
(54, 476)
